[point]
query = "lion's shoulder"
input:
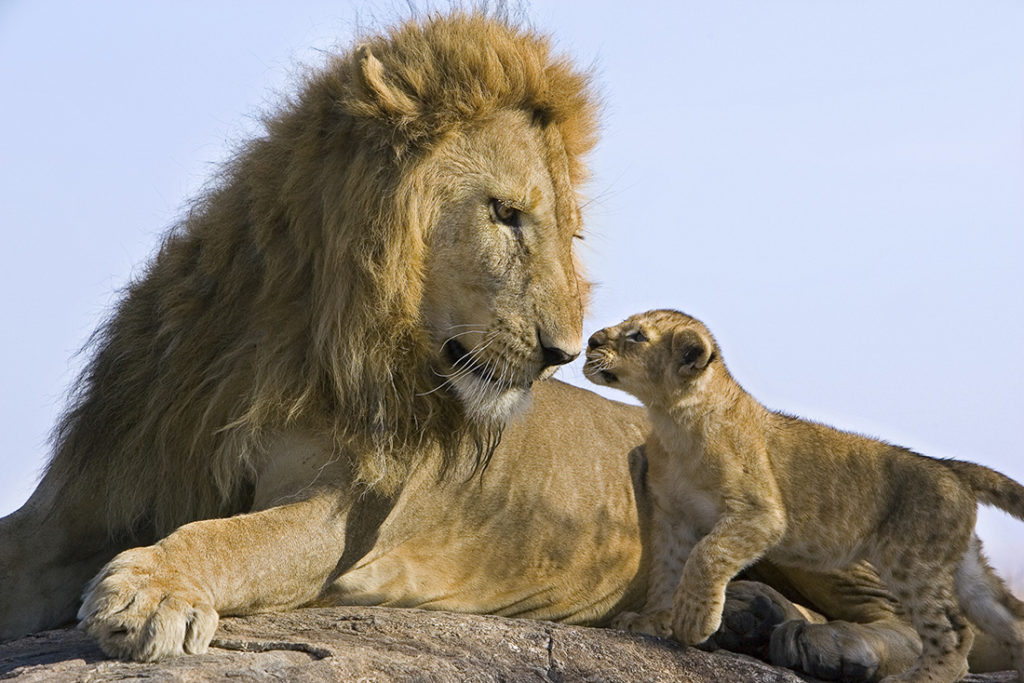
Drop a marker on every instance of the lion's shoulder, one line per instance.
(569, 416)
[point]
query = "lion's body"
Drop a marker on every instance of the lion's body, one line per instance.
(498, 542)
(296, 402)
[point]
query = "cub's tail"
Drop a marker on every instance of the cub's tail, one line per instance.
(991, 487)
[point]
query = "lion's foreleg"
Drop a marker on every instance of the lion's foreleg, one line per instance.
(164, 599)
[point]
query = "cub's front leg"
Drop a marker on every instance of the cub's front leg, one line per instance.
(162, 600)
(737, 540)
(670, 546)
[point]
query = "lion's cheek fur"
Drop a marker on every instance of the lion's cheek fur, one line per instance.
(515, 283)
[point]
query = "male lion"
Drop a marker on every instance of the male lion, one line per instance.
(330, 348)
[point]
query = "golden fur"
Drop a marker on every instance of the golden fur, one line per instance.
(283, 382)
(763, 484)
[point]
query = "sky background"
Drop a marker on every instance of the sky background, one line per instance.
(835, 188)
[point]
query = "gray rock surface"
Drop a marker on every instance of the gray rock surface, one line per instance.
(379, 644)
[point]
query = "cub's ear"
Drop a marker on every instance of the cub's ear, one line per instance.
(691, 351)
(389, 96)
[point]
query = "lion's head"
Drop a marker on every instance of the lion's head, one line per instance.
(502, 298)
(391, 264)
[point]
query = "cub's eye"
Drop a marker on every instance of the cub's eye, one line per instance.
(637, 336)
(506, 214)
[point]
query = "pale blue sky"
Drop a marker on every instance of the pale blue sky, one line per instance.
(836, 188)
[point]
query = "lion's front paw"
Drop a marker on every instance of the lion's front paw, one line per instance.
(833, 651)
(138, 609)
(752, 611)
(656, 623)
(696, 618)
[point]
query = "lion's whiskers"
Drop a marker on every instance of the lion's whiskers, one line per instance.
(480, 330)
(466, 362)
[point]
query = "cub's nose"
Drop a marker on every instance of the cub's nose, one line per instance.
(596, 339)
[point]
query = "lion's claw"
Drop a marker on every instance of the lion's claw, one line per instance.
(135, 613)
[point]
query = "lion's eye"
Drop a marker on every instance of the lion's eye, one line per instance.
(637, 336)
(506, 214)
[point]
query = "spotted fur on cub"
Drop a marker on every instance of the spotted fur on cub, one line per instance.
(733, 482)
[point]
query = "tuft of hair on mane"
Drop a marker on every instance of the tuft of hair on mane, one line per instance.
(288, 297)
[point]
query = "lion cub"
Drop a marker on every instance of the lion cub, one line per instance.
(733, 482)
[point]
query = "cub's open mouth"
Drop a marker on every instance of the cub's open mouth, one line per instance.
(592, 369)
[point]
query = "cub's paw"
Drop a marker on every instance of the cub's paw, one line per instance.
(656, 623)
(696, 618)
(137, 608)
(752, 611)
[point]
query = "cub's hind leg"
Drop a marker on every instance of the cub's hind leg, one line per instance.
(927, 595)
(990, 604)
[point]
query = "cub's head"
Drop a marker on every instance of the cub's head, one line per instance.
(660, 356)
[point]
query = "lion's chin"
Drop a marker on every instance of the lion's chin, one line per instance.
(487, 404)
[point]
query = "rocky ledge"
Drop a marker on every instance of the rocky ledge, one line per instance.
(379, 644)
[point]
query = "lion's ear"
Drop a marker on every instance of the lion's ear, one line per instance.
(389, 97)
(691, 351)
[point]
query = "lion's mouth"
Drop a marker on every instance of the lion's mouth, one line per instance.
(490, 389)
(462, 360)
(608, 376)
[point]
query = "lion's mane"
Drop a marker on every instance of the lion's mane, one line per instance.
(289, 295)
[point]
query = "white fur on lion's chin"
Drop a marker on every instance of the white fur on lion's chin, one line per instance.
(485, 404)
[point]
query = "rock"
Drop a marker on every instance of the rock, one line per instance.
(380, 644)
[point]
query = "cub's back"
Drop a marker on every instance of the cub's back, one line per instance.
(851, 482)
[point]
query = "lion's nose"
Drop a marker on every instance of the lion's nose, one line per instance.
(552, 354)
(597, 339)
